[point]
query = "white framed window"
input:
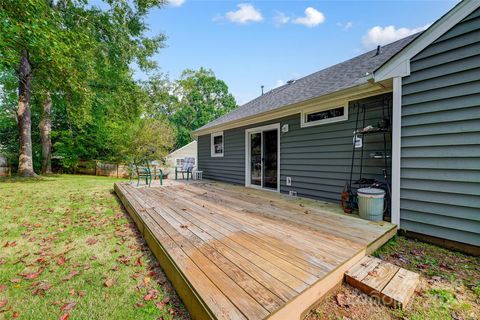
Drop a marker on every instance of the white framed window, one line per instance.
(179, 162)
(323, 115)
(216, 144)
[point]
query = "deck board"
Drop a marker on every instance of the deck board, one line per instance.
(237, 253)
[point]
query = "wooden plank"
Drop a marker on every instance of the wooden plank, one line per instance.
(349, 228)
(361, 269)
(209, 302)
(297, 308)
(230, 241)
(219, 264)
(262, 276)
(259, 232)
(330, 247)
(255, 250)
(401, 288)
(242, 300)
(380, 276)
(205, 223)
(258, 292)
(247, 242)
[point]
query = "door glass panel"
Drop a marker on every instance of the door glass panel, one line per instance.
(256, 159)
(270, 147)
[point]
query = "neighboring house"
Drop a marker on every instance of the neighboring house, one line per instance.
(299, 137)
(4, 167)
(175, 158)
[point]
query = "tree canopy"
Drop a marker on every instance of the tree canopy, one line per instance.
(67, 68)
(190, 102)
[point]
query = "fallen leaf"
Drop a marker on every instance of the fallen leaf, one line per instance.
(373, 273)
(15, 315)
(91, 241)
(3, 288)
(152, 294)
(10, 244)
(341, 299)
(159, 305)
(72, 274)
(31, 276)
(41, 260)
(68, 306)
(64, 317)
(61, 261)
(40, 288)
(138, 262)
(109, 282)
(3, 303)
(16, 280)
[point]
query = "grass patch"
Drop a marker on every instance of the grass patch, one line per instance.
(68, 247)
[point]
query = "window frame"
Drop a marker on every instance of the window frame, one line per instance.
(212, 146)
(304, 114)
(176, 162)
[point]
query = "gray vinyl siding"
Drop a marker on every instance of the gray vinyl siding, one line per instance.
(317, 158)
(440, 164)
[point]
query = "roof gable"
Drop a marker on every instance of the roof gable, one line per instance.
(399, 64)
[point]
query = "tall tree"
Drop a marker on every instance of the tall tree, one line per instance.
(45, 127)
(25, 161)
(31, 37)
(75, 52)
(202, 97)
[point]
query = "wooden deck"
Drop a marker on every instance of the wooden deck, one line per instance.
(238, 253)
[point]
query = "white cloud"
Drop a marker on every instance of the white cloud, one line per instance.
(383, 35)
(312, 18)
(176, 3)
(280, 18)
(246, 13)
(346, 25)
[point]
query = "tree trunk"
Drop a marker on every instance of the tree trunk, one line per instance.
(45, 127)
(25, 162)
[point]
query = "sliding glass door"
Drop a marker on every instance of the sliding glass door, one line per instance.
(256, 159)
(262, 170)
(270, 139)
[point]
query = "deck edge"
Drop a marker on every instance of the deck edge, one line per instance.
(298, 309)
(194, 304)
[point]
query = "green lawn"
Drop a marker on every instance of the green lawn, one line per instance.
(69, 250)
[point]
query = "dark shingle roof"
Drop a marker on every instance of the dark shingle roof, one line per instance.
(341, 76)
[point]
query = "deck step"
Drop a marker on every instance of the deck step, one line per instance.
(392, 285)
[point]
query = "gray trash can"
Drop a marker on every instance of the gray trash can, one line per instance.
(370, 203)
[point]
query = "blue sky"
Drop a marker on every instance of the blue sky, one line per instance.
(253, 43)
